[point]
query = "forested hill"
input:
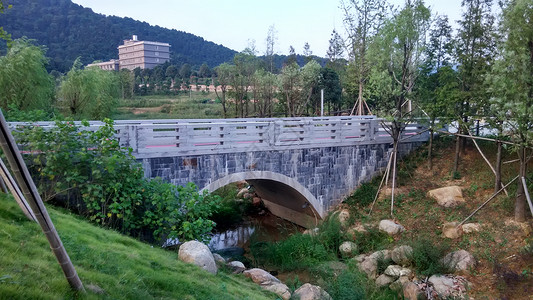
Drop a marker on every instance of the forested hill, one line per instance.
(69, 30)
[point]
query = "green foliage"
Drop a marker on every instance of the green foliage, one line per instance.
(364, 194)
(24, 81)
(372, 240)
(299, 251)
(231, 210)
(427, 256)
(105, 183)
(89, 93)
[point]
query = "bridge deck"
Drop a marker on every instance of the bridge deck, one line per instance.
(169, 138)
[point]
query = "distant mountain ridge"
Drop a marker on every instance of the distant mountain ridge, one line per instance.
(69, 30)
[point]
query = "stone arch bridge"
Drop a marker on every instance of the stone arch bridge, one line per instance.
(300, 167)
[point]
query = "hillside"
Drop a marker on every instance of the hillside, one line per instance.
(69, 30)
(123, 267)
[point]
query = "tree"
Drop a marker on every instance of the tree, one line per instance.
(475, 46)
(512, 86)
(292, 56)
(223, 80)
(271, 41)
(362, 19)
(330, 82)
(245, 65)
(335, 50)
(265, 91)
(24, 82)
(127, 83)
(89, 93)
(400, 45)
(3, 34)
(204, 71)
(438, 83)
(297, 86)
(307, 52)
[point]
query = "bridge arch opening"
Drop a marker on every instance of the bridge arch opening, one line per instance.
(285, 197)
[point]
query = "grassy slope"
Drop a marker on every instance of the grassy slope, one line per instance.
(124, 267)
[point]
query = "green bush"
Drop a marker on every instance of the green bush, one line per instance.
(299, 251)
(426, 257)
(365, 193)
(103, 182)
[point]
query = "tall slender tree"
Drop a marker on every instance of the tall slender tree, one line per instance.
(362, 19)
(475, 46)
(512, 85)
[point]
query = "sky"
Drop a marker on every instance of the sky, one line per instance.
(237, 23)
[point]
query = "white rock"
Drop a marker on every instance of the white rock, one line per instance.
(236, 266)
(197, 253)
(460, 260)
(396, 271)
(390, 227)
(471, 227)
(449, 196)
(348, 249)
(311, 292)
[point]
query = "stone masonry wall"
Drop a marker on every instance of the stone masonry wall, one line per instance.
(329, 173)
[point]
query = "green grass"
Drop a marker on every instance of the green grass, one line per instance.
(124, 267)
(197, 105)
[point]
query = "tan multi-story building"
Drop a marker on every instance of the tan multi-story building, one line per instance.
(142, 54)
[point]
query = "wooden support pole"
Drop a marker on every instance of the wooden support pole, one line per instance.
(28, 188)
(15, 191)
(527, 195)
(381, 184)
(486, 159)
(488, 200)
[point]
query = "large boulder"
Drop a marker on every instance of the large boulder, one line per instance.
(450, 196)
(402, 255)
(348, 249)
(459, 261)
(197, 253)
(390, 227)
(311, 292)
(268, 282)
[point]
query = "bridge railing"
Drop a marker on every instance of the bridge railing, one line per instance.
(159, 138)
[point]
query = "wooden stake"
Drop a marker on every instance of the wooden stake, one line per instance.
(527, 195)
(28, 188)
(381, 184)
(393, 179)
(485, 158)
(15, 191)
(485, 203)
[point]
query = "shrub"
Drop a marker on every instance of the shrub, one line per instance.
(104, 182)
(426, 257)
(299, 251)
(364, 194)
